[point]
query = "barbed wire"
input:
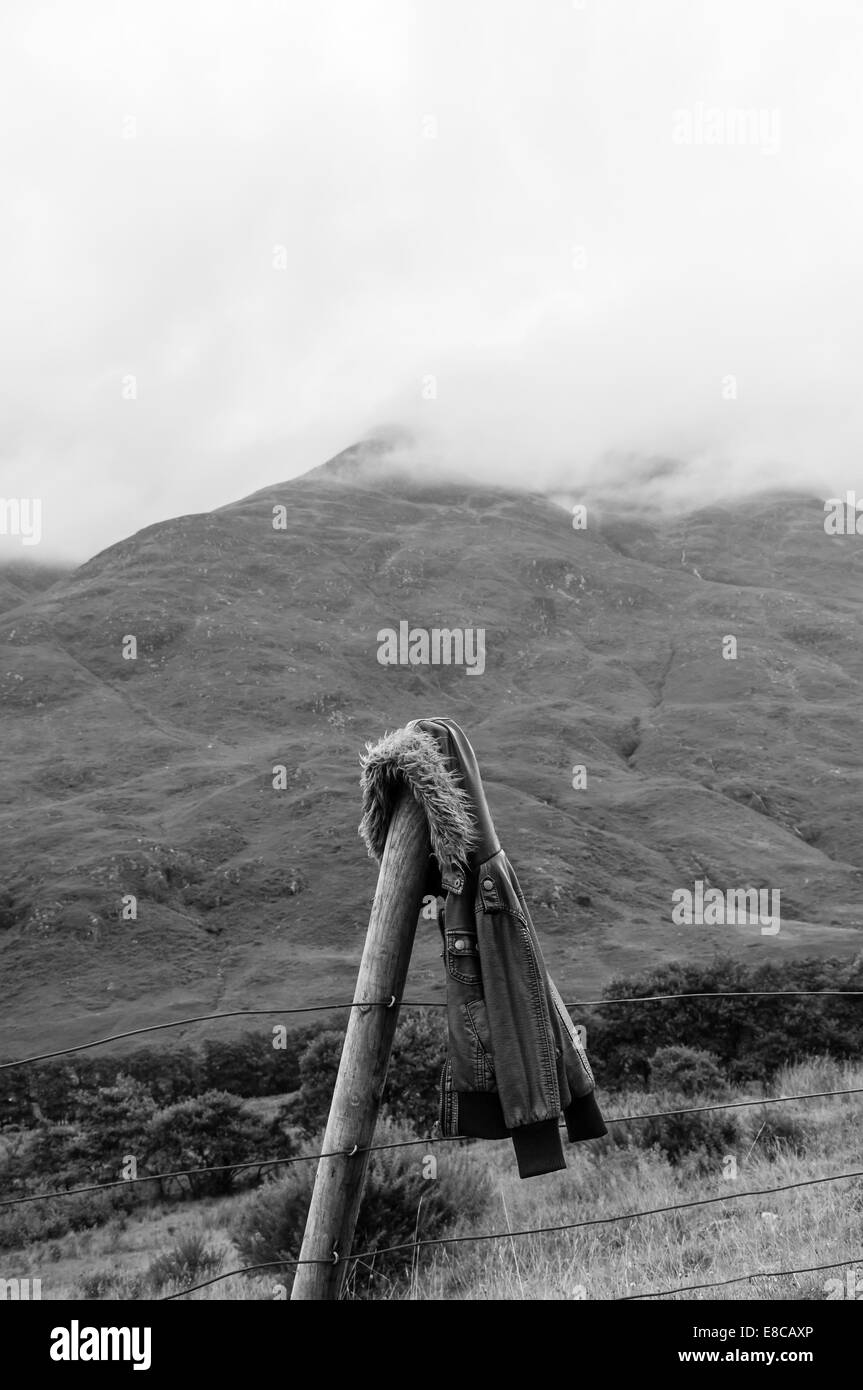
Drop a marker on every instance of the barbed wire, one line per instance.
(399, 1144)
(414, 1004)
(532, 1230)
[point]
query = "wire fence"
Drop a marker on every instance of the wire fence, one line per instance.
(412, 1004)
(536, 1230)
(622, 1298)
(416, 1245)
(262, 1163)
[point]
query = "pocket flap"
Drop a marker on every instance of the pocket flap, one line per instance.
(462, 943)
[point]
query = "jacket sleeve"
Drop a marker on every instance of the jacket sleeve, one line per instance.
(522, 1037)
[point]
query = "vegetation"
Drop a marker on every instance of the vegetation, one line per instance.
(652, 1065)
(750, 1038)
(405, 1199)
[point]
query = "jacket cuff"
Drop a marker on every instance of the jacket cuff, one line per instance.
(583, 1118)
(538, 1148)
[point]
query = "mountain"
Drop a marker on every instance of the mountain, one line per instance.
(257, 647)
(21, 578)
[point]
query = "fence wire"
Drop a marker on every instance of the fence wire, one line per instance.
(532, 1230)
(263, 1164)
(392, 1002)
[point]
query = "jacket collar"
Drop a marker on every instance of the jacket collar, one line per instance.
(462, 765)
(436, 760)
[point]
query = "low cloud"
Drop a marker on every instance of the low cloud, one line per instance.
(506, 227)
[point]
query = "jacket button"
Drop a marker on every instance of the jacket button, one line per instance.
(457, 884)
(488, 883)
(459, 945)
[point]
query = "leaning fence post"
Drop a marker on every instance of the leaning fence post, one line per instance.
(365, 1057)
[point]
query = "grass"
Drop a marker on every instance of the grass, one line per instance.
(724, 1240)
(811, 1225)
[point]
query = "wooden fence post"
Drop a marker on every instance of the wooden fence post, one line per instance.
(363, 1069)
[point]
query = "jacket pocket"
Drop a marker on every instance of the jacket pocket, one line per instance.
(462, 957)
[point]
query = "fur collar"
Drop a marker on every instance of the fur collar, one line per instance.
(413, 756)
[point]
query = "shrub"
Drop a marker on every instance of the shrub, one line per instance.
(706, 1136)
(250, 1065)
(397, 1202)
(687, 1070)
(776, 1131)
(751, 1037)
(187, 1262)
(319, 1064)
(212, 1130)
(168, 1075)
(111, 1284)
(411, 1091)
(697, 1139)
(13, 1165)
(215, 1130)
(246, 1066)
(49, 1220)
(114, 1122)
(419, 1048)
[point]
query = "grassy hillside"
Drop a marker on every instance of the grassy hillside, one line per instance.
(257, 647)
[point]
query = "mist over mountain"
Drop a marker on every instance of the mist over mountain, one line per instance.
(510, 228)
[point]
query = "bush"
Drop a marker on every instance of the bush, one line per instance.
(706, 1136)
(246, 1066)
(687, 1070)
(49, 1220)
(251, 1066)
(188, 1262)
(213, 1130)
(697, 1138)
(776, 1131)
(112, 1284)
(114, 1122)
(319, 1064)
(750, 1037)
(398, 1201)
(411, 1091)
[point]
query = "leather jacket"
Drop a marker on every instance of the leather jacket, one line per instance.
(514, 1061)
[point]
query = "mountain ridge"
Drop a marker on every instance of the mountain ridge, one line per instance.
(258, 649)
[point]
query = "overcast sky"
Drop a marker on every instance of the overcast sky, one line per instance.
(599, 226)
